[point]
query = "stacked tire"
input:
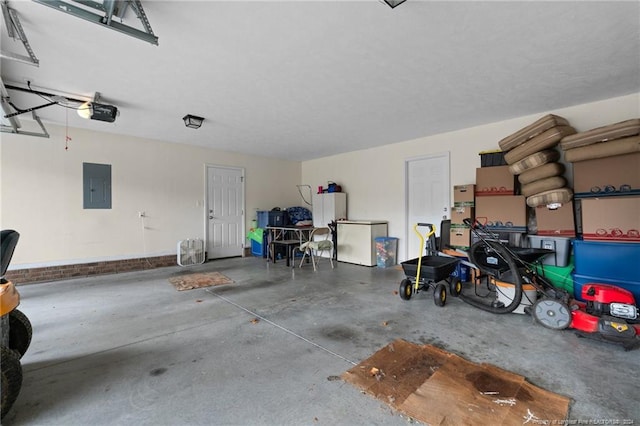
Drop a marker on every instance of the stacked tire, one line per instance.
(532, 156)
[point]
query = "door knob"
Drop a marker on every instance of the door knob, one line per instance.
(211, 217)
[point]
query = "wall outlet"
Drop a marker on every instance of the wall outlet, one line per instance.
(141, 214)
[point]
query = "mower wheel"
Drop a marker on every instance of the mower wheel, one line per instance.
(11, 378)
(455, 287)
(552, 313)
(406, 289)
(20, 332)
(440, 294)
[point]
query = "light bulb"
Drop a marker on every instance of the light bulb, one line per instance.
(85, 110)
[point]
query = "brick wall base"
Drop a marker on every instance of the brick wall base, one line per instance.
(53, 273)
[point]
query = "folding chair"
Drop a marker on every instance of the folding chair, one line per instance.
(320, 241)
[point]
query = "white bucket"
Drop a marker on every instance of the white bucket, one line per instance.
(506, 291)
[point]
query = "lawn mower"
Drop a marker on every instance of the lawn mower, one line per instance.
(608, 313)
(16, 328)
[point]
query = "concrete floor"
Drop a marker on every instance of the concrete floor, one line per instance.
(129, 349)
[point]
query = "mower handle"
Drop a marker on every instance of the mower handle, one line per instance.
(476, 223)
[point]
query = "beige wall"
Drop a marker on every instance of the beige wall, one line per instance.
(41, 185)
(41, 195)
(374, 178)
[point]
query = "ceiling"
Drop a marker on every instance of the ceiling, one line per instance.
(300, 80)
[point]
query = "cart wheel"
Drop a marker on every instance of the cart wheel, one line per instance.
(440, 294)
(406, 289)
(455, 287)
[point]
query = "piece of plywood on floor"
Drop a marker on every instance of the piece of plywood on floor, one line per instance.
(199, 280)
(396, 371)
(441, 388)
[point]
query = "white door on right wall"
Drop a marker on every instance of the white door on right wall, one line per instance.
(428, 197)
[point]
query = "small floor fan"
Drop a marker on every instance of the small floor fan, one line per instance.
(190, 252)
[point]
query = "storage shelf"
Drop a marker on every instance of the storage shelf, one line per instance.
(606, 194)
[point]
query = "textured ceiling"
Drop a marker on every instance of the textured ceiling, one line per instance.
(300, 80)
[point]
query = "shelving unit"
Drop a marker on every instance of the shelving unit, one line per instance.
(328, 207)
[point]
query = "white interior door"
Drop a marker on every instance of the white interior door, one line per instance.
(428, 196)
(225, 212)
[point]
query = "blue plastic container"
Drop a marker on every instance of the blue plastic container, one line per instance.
(580, 280)
(278, 218)
(272, 218)
(263, 219)
(256, 248)
(462, 272)
(386, 249)
(607, 260)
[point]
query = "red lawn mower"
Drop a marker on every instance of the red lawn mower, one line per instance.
(609, 313)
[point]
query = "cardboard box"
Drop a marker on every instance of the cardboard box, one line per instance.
(611, 219)
(557, 222)
(496, 180)
(502, 212)
(464, 195)
(460, 236)
(617, 174)
(459, 213)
